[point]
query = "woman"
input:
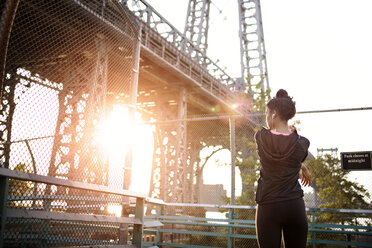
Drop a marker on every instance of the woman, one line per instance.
(279, 197)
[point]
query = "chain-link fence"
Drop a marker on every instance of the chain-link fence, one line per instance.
(338, 202)
(330, 134)
(69, 66)
(67, 114)
(62, 64)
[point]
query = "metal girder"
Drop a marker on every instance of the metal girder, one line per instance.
(8, 104)
(197, 24)
(252, 47)
(169, 170)
(181, 148)
(81, 104)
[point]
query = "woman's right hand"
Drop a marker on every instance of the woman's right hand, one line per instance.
(292, 128)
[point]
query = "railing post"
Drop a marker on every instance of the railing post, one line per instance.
(159, 235)
(313, 234)
(123, 228)
(138, 228)
(230, 231)
(4, 185)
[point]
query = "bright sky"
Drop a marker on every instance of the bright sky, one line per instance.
(319, 51)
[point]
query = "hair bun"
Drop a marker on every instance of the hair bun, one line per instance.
(282, 94)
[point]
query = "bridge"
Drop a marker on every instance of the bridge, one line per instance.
(101, 53)
(66, 66)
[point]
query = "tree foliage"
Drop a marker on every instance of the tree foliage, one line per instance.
(19, 188)
(335, 190)
(247, 159)
(248, 163)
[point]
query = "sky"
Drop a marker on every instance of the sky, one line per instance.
(319, 51)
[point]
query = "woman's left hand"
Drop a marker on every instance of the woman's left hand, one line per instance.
(305, 176)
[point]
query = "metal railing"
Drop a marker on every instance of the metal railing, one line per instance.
(182, 230)
(154, 20)
(168, 225)
(18, 223)
(212, 81)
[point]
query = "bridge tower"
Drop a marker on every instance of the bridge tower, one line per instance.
(197, 23)
(252, 47)
(252, 44)
(171, 168)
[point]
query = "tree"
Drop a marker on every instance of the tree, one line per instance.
(331, 185)
(248, 165)
(19, 188)
(247, 159)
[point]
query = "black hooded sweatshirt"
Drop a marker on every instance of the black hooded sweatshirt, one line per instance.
(280, 157)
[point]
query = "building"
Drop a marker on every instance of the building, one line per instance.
(212, 194)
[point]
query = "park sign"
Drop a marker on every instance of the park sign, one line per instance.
(356, 160)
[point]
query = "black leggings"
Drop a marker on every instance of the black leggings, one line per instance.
(288, 217)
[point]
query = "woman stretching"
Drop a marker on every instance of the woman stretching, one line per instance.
(281, 208)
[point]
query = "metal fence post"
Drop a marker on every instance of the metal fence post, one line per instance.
(233, 157)
(123, 233)
(132, 109)
(138, 228)
(4, 185)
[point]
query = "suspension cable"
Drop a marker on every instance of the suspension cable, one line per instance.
(334, 110)
(219, 117)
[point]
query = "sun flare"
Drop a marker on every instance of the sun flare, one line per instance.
(116, 134)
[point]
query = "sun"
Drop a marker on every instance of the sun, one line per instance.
(116, 133)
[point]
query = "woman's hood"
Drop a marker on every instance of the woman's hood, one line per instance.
(276, 147)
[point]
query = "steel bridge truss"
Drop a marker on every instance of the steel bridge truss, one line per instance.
(182, 44)
(252, 46)
(197, 24)
(170, 172)
(82, 104)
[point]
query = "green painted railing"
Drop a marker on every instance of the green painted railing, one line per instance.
(161, 229)
(22, 217)
(230, 229)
